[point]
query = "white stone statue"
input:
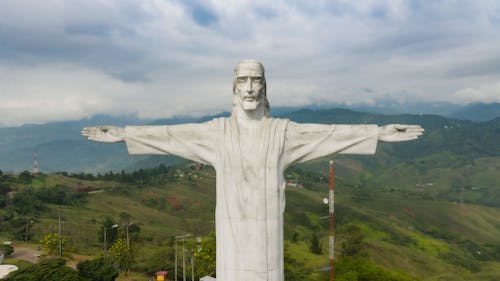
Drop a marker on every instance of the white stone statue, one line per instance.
(250, 152)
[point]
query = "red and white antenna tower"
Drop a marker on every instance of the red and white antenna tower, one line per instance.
(331, 230)
(35, 163)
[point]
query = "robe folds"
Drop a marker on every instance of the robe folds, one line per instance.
(250, 188)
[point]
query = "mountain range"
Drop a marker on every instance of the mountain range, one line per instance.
(428, 207)
(59, 146)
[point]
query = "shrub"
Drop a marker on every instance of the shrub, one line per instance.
(354, 269)
(100, 269)
(6, 249)
(46, 270)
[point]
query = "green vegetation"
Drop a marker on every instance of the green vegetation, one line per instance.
(46, 270)
(205, 256)
(350, 269)
(6, 249)
(315, 246)
(122, 255)
(52, 243)
(99, 269)
(432, 217)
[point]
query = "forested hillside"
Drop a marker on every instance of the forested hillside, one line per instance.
(60, 147)
(421, 210)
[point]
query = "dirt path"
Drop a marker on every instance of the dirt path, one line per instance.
(75, 259)
(26, 254)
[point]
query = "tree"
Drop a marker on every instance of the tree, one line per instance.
(295, 237)
(46, 270)
(355, 269)
(19, 227)
(124, 216)
(205, 256)
(3, 192)
(50, 244)
(99, 269)
(294, 269)
(26, 202)
(111, 232)
(353, 240)
(25, 177)
(6, 249)
(315, 246)
(122, 254)
(161, 258)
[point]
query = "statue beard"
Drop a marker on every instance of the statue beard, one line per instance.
(251, 105)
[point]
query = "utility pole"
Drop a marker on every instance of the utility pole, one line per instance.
(331, 253)
(60, 234)
(105, 246)
(192, 264)
(27, 229)
(128, 240)
(105, 238)
(183, 256)
(175, 267)
(183, 260)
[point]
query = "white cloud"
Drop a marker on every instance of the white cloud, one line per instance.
(62, 91)
(485, 93)
(160, 58)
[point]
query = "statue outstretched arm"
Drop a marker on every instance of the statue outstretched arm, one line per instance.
(191, 141)
(104, 133)
(306, 142)
(397, 132)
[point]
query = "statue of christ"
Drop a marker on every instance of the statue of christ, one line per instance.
(250, 152)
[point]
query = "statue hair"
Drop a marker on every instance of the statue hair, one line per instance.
(264, 101)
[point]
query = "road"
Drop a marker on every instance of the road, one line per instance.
(26, 254)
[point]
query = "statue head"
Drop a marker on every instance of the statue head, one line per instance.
(249, 87)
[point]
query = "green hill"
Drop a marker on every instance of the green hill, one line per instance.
(429, 208)
(60, 146)
(403, 230)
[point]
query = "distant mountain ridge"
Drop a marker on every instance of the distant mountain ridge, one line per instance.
(472, 112)
(61, 147)
(478, 112)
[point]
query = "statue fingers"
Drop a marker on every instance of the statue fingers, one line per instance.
(93, 133)
(407, 128)
(400, 128)
(93, 138)
(411, 137)
(415, 128)
(104, 129)
(418, 131)
(88, 131)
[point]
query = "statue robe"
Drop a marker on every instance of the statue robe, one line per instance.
(250, 192)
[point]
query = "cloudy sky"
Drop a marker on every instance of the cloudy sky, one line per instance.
(64, 59)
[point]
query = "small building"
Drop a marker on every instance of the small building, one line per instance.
(161, 275)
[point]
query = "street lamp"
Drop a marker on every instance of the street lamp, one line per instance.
(331, 228)
(29, 222)
(105, 241)
(128, 239)
(183, 256)
(330, 202)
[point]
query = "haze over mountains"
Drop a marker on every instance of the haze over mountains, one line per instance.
(60, 147)
(429, 207)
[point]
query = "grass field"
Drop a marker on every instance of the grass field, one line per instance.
(403, 231)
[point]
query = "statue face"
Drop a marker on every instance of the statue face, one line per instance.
(249, 85)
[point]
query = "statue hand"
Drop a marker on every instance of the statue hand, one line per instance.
(397, 132)
(104, 133)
